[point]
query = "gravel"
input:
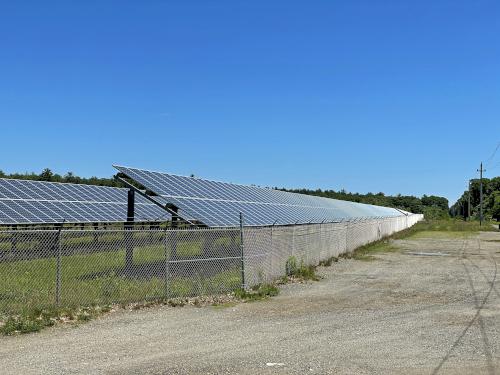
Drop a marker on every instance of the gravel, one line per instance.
(397, 313)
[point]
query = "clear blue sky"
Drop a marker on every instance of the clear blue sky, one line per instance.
(393, 96)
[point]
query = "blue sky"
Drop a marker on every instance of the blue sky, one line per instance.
(393, 96)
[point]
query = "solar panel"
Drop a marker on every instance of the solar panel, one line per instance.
(218, 204)
(36, 202)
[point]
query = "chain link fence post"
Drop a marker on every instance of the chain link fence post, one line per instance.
(167, 262)
(58, 267)
(242, 248)
(272, 253)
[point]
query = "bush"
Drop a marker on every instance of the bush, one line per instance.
(435, 213)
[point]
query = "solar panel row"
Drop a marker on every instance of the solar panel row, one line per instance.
(219, 203)
(24, 201)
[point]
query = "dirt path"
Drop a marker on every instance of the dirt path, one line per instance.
(432, 308)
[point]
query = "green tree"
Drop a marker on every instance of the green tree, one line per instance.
(46, 175)
(495, 209)
(434, 201)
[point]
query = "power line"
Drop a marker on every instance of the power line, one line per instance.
(494, 166)
(493, 154)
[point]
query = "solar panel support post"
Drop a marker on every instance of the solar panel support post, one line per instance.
(13, 239)
(242, 248)
(173, 237)
(96, 234)
(129, 225)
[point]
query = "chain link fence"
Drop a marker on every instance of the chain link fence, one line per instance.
(41, 268)
(267, 249)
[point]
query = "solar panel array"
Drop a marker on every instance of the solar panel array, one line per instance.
(32, 202)
(218, 204)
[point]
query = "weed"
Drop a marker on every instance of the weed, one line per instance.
(84, 317)
(258, 292)
(328, 262)
(223, 305)
(21, 324)
(35, 319)
(291, 266)
(27, 323)
(300, 271)
(174, 302)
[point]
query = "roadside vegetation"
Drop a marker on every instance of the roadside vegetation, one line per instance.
(35, 319)
(491, 200)
(449, 228)
(258, 292)
(299, 271)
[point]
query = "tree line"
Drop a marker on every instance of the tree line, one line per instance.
(430, 205)
(48, 175)
(491, 200)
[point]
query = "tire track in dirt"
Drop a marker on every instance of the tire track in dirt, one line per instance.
(479, 305)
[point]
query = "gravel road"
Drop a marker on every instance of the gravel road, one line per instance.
(431, 308)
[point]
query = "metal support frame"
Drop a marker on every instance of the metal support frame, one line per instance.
(142, 193)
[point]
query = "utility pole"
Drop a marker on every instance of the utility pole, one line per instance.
(481, 170)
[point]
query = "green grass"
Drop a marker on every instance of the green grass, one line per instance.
(31, 283)
(94, 279)
(450, 225)
(440, 234)
(444, 229)
(439, 229)
(198, 286)
(367, 253)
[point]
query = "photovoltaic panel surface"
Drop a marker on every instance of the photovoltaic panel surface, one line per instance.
(36, 202)
(219, 204)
